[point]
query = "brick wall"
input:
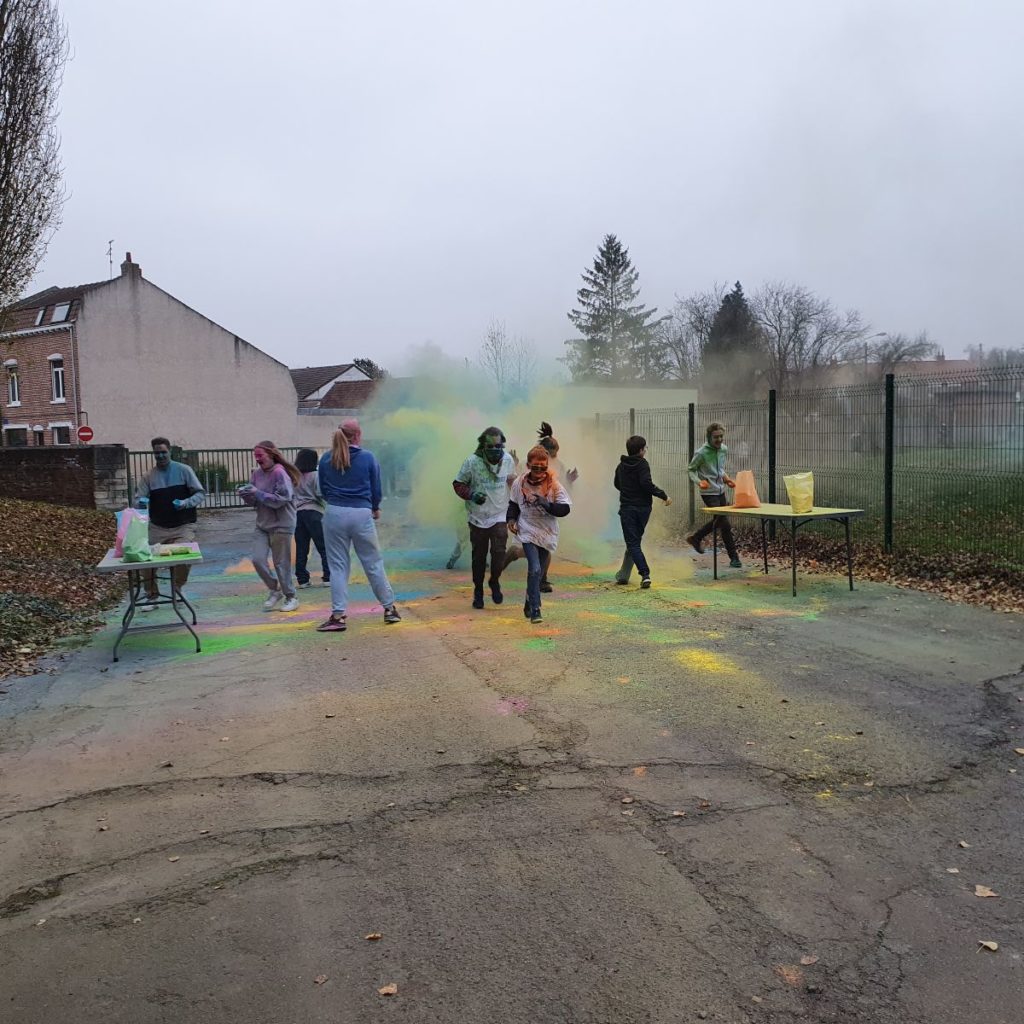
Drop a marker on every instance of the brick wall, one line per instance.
(89, 477)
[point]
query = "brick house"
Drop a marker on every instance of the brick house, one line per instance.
(132, 362)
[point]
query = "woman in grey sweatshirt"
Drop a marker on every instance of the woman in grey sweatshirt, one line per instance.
(271, 491)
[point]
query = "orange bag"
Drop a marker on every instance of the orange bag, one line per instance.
(746, 490)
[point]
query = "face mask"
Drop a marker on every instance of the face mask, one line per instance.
(494, 453)
(538, 473)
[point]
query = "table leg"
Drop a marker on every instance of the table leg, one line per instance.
(714, 545)
(849, 553)
(134, 586)
(792, 550)
(764, 544)
(177, 599)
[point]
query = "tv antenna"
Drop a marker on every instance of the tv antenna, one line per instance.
(110, 256)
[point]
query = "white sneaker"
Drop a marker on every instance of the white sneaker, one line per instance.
(276, 597)
(290, 605)
(146, 605)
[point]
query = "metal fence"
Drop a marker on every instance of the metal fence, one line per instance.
(937, 463)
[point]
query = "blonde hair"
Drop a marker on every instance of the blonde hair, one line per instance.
(341, 457)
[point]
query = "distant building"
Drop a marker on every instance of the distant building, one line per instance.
(132, 361)
(332, 390)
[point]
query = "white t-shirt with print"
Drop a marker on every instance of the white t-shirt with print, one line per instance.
(536, 526)
(491, 481)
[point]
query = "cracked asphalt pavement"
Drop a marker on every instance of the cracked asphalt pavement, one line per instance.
(705, 801)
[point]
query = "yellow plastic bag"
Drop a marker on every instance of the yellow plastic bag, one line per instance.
(746, 490)
(800, 488)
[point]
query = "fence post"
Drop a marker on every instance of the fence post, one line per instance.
(691, 444)
(890, 423)
(772, 399)
(632, 422)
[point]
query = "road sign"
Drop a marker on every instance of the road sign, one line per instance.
(85, 434)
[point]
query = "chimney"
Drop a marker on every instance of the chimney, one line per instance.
(129, 269)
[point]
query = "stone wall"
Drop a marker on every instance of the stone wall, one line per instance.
(89, 476)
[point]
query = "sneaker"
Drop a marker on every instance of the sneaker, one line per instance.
(304, 586)
(391, 615)
(146, 605)
(275, 598)
(496, 595)
(691, 539)
(645, 583)
(536, 616)
(452, 562)
(290, 605)
(326, 582)
(546, 588)
(335, 624)
(735, 563)
(478, 599)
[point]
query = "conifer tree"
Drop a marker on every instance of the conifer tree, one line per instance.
(734, 354)
(618, 339)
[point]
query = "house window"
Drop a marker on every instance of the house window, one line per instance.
(62, 435)
(37, 433)
(60, 312)
(40, 315)
(57, 377)
(16, 437)
(13, 386)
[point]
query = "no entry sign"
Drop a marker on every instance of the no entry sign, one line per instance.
(85, 434)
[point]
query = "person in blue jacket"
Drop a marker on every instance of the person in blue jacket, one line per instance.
(351, 486)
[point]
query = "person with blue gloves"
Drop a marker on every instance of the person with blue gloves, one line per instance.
(171, 492)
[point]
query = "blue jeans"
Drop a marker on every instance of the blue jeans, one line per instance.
(634, 522)
(344, 529)
(537, 561)
(309, 526)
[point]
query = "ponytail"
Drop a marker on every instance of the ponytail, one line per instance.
(341, 457)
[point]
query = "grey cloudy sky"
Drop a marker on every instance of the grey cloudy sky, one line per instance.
(334, 179)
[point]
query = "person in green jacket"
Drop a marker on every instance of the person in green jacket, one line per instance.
(707, 471)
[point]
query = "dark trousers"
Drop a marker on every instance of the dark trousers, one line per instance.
(483, 540)
(724, 529)
(537, 561)
(309, 526)
(634, 522)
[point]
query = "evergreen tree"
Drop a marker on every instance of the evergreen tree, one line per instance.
(734, 354)
(619, 341)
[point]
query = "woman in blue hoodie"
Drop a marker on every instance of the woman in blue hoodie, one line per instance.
(350, 484)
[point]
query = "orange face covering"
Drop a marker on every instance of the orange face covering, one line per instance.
(538, 479)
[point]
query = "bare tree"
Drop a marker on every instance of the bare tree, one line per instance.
(33, 52)
(891, 350)
(684, 332)
(510, 362)
(523, 365)
(802, 332)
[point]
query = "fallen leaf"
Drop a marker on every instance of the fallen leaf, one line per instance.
(819, 723)
(704, 804)
(963, 845)
(628, 799)
(953, 871)
(990, 946)
(330, 714)
(807, 961)
(166, 764)
(392, 804)
(521, 788)
(204, 831)
(750, 743)
(441, 750)
(174, 858)
(136, 920)
(629, 814)
(223, 739)
(868, 785)
(388, 990)
(1019, 750)
(640, 771)
(984, 890)
(374, 937)
(790, 974)
(319, 979)
(40, 922)
(679, 814)
(103, 828)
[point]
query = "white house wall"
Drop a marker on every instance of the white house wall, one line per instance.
(151, 365)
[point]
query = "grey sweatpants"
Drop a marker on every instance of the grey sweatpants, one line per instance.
(276, 546)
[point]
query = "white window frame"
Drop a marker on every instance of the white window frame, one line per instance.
(57, 373)
(61, 306)
(17, 426)
(40, 315)
(13, 384)
(54, 427)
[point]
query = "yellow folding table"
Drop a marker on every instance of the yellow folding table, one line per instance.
(768, 513)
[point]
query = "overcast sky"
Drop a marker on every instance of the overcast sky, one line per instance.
(330, 179)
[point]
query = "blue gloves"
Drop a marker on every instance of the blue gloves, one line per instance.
(178, 503)
(142, 503)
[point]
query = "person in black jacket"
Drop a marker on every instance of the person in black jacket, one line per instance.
(636, 493)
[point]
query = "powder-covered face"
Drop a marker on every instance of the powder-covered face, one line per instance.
(162, 456)
(494, 449)
(717, 438)
(538, 470)
(263, 460)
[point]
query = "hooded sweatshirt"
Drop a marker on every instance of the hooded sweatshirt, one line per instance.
(273, 499)
(634, 484)
(709, 464)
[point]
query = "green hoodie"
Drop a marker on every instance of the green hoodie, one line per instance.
(709, 464)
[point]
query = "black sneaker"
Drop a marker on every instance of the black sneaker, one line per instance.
(391, 615)
(536, 616)
(546, 588)
(691, 539)
(645, 583)
(496, 595)
(735, 563)
(478, 599)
